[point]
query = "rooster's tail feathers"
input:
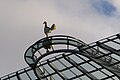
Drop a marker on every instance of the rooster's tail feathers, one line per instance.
(53, 27)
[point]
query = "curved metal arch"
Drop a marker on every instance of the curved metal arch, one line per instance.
(57, 39)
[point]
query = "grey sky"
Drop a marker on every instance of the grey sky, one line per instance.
(21, 24)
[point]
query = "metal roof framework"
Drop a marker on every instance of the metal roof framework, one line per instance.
(71, 59)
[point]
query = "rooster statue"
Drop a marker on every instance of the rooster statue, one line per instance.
(48, 29)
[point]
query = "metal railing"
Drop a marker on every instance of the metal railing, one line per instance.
(46, 42)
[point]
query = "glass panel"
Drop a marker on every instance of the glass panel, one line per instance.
(76, 59)
(113, 45)
(36, 46)
(115, 78)
(29, 60)
(85, 78)
(24, 76)
(40, 44)
(99, 74)
(76, 71)
(68, 74)
(107, 72)
(103, 51)
(117, 40)
(59, 41)
(29, 53)
(14, 78)
(88, 67)
(57, 77)
(60, 47)
(48, 68)
(58, 65)
(116, 57)
(72, 47)
(32, 75)
(95, 64)
(65, 62)
(73, 42)
(85, 58)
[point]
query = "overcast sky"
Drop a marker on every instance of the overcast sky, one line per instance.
(21, 24)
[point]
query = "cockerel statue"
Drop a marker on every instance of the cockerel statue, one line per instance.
(48, 29)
